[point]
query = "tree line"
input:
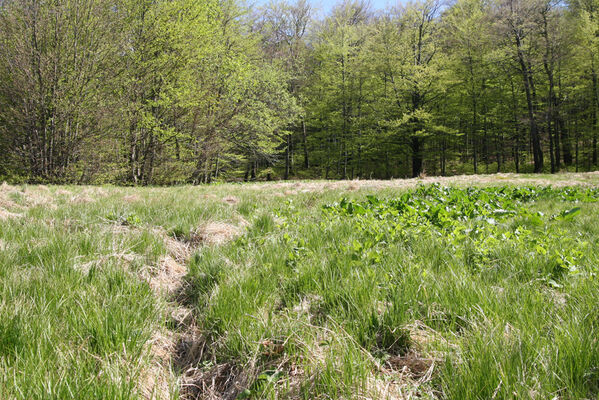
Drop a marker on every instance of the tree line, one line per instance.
(185, 91)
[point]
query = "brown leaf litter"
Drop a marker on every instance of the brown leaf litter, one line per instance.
(413, 364)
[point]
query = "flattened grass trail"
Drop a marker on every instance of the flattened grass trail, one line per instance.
(451, 288)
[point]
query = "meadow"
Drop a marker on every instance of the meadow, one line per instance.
(479, 287)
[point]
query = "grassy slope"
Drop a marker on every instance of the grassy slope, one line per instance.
(286, 309)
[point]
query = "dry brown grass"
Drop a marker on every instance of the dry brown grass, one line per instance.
(125, 259)
(179, 250)
(167, 276)
(222, 382)
(185, 348)
(63, 192)
(82, 199)
(231, 200)
(132, 198)
(181, 316)
(6, 191)
(8, 203)
(6, 187)
(214, 233)
(157, 380)
(39, 196)
(5, 215)
(292, 188)
(94, 191)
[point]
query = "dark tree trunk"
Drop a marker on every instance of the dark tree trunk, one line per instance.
(531, 105)
(288, 157)
(499, 149)
(548, 66)
(516, 127)
(416, 146)
(474, 134)
(595, 119)
(305, 143)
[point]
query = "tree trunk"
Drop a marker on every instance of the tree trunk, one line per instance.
(416, 146)
(530, 102)
(595, 119)
(288, 157)
(474, 123)
(566, 145)
(548, 66)
(305, 143)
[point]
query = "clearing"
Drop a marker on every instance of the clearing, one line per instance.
(438, 288)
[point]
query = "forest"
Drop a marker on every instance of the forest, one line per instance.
(159, 92)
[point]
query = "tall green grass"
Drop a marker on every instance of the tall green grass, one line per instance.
(508, 324)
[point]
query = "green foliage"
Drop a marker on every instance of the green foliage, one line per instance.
(483, 219)
(166, 92)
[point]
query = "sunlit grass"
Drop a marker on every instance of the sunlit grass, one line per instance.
(296, 307)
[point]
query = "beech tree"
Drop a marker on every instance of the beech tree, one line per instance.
(54, 57)
(182, 91)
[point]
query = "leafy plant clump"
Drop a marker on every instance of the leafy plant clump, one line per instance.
(473, 222)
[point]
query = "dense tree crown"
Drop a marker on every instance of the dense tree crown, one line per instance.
(175, 91)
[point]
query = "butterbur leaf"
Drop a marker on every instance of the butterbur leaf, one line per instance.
(372, 199)
(569, 214)
(270, 376)
(343, 203)
(359, 210)
(554, 284)
(350, 208)
(501, 212)
(535, 220)
(540, 249)
(357, 246)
